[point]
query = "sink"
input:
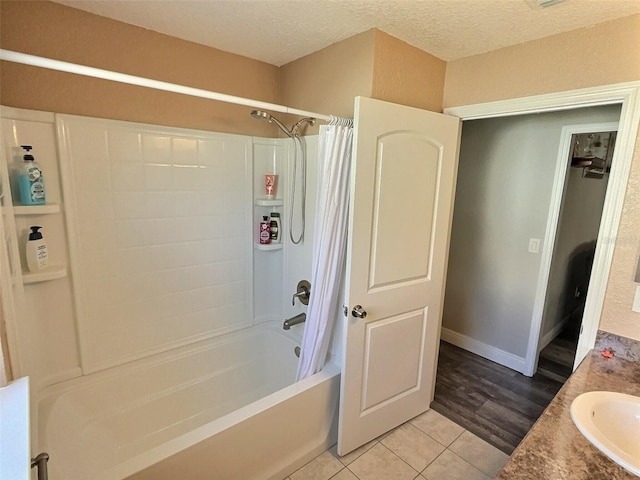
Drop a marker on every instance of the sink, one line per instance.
(611, 422)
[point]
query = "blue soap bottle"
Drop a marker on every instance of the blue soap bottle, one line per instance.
(30, 180)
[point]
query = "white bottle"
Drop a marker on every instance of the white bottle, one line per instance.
(37, 255)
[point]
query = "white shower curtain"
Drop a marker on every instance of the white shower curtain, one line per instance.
(329, 244)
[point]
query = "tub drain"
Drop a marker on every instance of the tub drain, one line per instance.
(297, 351)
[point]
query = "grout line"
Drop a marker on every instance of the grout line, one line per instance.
(474, 466)
(401, 459)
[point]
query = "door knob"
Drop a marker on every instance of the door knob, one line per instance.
(358, 312)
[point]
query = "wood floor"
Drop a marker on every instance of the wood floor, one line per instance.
(494, 402)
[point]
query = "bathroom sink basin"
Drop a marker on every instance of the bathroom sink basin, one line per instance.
(611, 422)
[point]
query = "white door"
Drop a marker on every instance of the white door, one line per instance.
(403, 177)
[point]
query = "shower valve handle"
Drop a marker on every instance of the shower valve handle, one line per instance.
(303, 292)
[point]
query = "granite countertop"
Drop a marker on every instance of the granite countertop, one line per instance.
(554, 449)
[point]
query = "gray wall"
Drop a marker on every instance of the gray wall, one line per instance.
(503, 194)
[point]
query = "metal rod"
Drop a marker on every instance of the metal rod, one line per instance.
(49, 63)
(41, 462)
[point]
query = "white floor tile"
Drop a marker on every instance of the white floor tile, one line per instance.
(413, 446)
(479, 453)
(438, 427)
(379, 463)
(344, 474)
(322, 467)
(449, 466)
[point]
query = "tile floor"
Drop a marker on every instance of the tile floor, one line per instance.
(428, 447)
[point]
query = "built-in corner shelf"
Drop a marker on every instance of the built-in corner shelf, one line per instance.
(36, 209)
(267, 247)
(269, 202)
(52, 273)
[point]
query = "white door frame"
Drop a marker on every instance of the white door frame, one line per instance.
(553, 219)
(628, 95)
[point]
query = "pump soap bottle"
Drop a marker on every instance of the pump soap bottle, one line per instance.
(30, 180)
(37, 255)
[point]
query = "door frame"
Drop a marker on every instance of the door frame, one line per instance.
(628, 96)
(553, 220)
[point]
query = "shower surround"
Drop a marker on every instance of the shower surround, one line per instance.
(157, 229)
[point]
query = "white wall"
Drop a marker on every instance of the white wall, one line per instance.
(157, 228)
(42, 334)
(160, 222)
(502, 200)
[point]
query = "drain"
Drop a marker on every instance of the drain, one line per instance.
(297, 351)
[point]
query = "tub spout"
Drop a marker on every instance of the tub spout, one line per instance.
(289, 322)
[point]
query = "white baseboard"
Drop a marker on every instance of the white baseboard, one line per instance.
(489, 352)
(553, 333)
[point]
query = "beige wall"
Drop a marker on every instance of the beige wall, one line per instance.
(52, 30)
(327, 81)
(599, 55)
(407, 75)
(604, 54)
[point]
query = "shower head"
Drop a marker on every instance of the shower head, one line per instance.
(262, 115)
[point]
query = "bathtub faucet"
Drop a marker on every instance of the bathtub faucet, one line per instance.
(289, 322)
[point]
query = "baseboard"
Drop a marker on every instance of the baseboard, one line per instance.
(553, 333)
(489, 352)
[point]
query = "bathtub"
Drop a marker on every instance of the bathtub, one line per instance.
(224, 409)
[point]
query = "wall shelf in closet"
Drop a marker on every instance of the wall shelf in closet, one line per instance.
(52, 273)
(268, 246)
(47, 209)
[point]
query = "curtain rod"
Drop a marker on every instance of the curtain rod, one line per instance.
(33, 60)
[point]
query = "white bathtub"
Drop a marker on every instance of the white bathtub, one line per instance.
(227, 409)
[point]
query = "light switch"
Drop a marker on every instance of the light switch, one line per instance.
(534, 245)
(636, 301)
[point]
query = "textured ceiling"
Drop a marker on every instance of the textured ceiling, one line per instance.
(280, 31)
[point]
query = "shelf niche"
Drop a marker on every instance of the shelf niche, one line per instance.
(46, 209)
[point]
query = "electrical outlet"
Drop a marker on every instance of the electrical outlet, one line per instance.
(636, 301)
(534, 245)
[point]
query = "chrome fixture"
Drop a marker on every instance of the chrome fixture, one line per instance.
(41, 462)
(358, 312)
(294, 135)
(262, 115)
(290, 322)
(303, 292)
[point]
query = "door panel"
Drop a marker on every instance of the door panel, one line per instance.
(403, 175)
(398, 172)
(402, 338)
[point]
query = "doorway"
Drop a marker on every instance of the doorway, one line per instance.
(511, 179)
(625, 95)
(628, 96)
(584, 166)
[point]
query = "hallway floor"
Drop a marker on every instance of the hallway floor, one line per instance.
(498, 404)
(428, 447)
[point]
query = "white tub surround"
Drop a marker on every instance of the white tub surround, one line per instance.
(166, 337)
(155, 413)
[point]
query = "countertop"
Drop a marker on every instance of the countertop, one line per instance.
(554, 449)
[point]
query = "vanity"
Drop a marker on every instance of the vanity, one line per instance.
(554, 449)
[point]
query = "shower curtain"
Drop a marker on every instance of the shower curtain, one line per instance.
(329, 243)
